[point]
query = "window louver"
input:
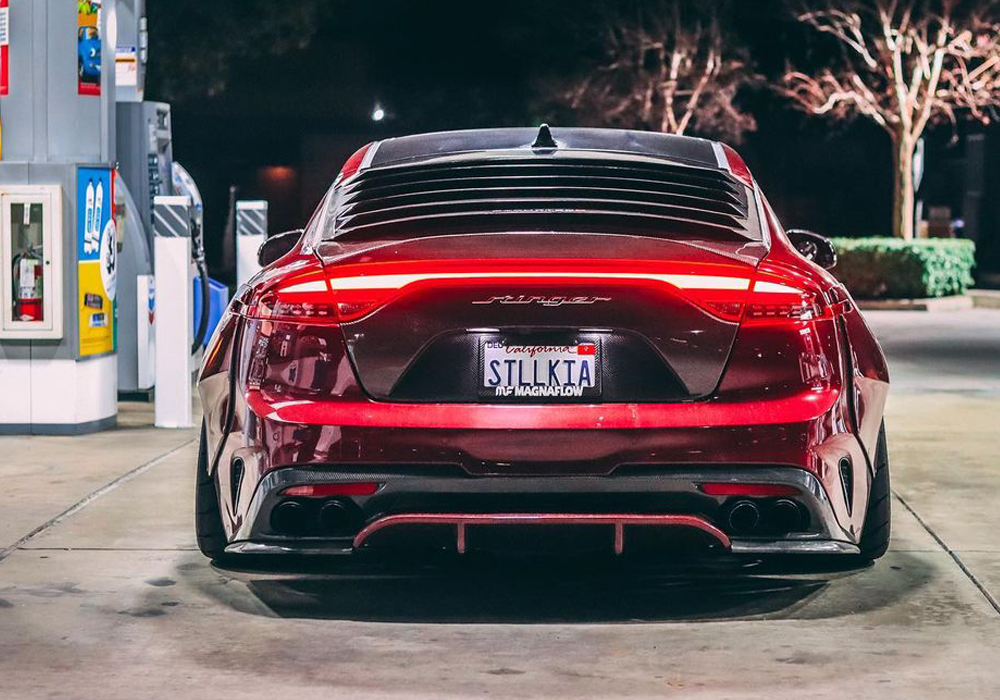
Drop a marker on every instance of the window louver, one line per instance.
(542, 193)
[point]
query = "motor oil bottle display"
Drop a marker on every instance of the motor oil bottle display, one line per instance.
(96, 260)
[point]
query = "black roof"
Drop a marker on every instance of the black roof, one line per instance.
(645, 143)
(530, 178)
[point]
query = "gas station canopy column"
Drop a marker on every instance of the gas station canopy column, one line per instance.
(58, 258)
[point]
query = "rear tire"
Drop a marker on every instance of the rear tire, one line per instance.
(876, 531)
(207, 519)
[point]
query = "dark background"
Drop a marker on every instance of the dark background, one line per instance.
(273, 96)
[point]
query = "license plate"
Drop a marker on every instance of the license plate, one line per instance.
(537, 371)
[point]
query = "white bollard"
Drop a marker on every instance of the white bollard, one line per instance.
(174, 312)
(251, 231)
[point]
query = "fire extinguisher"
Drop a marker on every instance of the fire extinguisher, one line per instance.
(28, 286)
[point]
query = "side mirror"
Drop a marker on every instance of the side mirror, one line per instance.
(276, 246)
(813, 247)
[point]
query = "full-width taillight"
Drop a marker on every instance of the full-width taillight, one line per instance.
(731, 292)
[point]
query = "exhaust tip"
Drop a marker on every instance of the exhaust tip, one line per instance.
(288, 517)
(786, 515)
(338, 517)
(744, 517)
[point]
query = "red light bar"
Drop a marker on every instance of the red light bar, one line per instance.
(353, 291)
(731, 489)
(357, 489)
(350, 292)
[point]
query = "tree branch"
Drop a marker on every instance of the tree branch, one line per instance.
(907, 63)
(672, 69)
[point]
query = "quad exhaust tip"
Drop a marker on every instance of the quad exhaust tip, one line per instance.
(773, 517)
(786, 515)
(289, 517)
(337, 517)
(334, 517)
(744, 517)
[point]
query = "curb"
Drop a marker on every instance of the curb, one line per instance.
(985, 298)
(976, 298)
(961, 302)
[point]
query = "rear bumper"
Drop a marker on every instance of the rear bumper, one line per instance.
(540, 440)
(667, 499)
(476, 461)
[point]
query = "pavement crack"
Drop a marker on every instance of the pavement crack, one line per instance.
(93, 496)
(990, 598)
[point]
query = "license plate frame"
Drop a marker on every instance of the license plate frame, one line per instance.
(519, 391)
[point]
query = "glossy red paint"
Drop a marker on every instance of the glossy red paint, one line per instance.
(619, 521)
(353, 164)
(737, 167)
(600, 452)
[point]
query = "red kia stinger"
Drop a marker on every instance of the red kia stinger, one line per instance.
(562, 339)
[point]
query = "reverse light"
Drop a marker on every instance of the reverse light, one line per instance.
(320, 490)
(766, 298)
(734, 489)
(301, 297)
(772, 300)
(309, 299)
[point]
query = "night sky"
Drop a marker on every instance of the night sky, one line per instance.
(272, 96)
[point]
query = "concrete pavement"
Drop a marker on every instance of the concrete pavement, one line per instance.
(109, 597)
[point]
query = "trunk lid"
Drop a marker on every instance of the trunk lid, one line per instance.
(650, 307)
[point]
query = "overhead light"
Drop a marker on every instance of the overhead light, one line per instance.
(378, 114)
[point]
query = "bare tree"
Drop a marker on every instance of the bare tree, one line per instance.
(906, 64)
(670, 68)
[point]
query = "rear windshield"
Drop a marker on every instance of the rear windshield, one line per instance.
(661, 200)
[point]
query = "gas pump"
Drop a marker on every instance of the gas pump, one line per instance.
(145, 153)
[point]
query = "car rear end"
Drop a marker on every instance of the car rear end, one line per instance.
(482, 348)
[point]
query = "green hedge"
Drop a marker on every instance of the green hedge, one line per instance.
(890, 268)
